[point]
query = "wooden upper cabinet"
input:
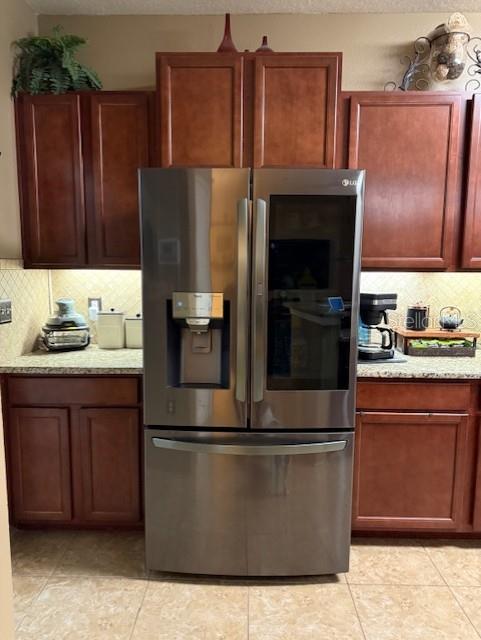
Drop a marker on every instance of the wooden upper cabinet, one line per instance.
(119, 145)
(40, 461)
(295, 109)
(78, 160)
(51, 180)
(410, 146)
(200, 109)
(471, 256)
(409, 471)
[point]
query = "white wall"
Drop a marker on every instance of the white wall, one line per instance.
(6, 611)
(16, 20)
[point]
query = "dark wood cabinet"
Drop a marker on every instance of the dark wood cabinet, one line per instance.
(40, 480)
(119, 144)
(409, 471)
(200, 105)
(410, 145)
(471, 254)
(229, 110)
(51, 180)
(74, 450)
(477, 479)
(110, 460)
(78, 160)
(295, 109)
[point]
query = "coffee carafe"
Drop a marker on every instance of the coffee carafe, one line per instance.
(376, 338)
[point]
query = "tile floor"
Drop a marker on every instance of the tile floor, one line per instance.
(90, 586)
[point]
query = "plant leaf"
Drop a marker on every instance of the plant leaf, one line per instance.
(47, 64)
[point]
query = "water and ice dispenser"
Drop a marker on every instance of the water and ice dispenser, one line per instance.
(198, 340)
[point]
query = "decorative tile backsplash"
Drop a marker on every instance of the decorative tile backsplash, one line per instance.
(122, 290)
(436, 290)
(28, 291)
(33, 291)
(118, 289)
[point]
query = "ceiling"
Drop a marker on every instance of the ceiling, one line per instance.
(143, 7)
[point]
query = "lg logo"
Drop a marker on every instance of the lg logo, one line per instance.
(349, 183)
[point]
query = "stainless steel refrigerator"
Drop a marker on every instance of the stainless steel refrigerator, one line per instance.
(250, 300)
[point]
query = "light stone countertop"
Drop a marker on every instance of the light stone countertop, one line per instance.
(129, 361)
(91, 360)
(436, 367)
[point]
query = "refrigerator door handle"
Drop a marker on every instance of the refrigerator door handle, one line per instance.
(251, 449)
(242, 299)
(259, 302)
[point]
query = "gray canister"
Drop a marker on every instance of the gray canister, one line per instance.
(417, 317)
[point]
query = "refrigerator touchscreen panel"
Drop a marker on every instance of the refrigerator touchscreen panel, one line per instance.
(310, 275)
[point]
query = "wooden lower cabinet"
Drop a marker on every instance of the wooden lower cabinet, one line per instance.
(40, 477)
(477, 484)
(75, 465)
(409, 471)
(110, 460)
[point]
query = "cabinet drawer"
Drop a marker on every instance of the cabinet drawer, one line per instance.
(430, 396)
(113, 391)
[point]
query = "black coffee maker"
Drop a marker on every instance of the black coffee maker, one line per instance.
(372, 311)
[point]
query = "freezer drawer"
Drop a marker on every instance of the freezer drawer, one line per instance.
(248, 504)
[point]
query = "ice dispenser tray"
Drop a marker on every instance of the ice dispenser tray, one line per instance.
(198, 339)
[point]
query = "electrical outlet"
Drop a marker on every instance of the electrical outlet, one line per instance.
(5, 311)
(95, 302)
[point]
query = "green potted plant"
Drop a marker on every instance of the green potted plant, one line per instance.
(48, 64)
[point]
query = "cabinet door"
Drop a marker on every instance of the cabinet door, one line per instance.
(110, 463)
(408, 471)
(477, 485)
(409, 145)
(295, 110)
(40, 473)
(51, 180)
(471, 258)
(119, 139)
(200, 109)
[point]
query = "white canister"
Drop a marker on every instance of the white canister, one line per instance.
(133, 332)
(110, 329)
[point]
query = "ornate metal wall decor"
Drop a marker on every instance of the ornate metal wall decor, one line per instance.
(417, 68)
(474, 69)
(440, 56)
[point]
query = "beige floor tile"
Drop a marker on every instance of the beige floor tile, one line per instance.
(470, 600)
(25, 590)
(180, 611)
(38, 552)
(303, 612)
(391, 562)
(459, 562)
(84, 609)
(411, 613)
(104, 553)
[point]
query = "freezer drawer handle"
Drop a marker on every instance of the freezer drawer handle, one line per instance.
(251, 449)
(242, 298)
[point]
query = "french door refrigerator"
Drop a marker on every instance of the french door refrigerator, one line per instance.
(250, 299)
